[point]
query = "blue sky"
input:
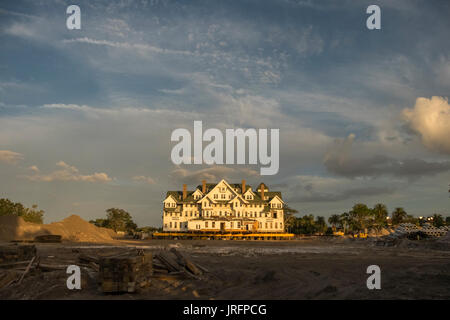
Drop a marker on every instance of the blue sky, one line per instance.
(86, 115)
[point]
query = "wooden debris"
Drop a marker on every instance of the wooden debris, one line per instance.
(169, 261)
(12, 253)
(185, 261)
(52, 267)
(48, 238)
(26, 270)
(125, 273)
(84, 258)
(14, 264)
(8, 278)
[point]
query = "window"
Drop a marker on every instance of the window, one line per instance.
(170, 224)
(216, 196)
(222, 196)
(213, 224)
(175, 224)
(206, 224)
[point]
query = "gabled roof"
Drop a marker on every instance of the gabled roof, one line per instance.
(277, 197)
(238, 197)
(178, 195)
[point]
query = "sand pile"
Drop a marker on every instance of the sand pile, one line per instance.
(15, 228)
(72, 228)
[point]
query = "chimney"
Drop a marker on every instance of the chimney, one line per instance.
(184, 192)
(262, 186)
(204, 186)
(243, 186)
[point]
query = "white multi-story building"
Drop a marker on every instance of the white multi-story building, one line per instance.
(223, 207)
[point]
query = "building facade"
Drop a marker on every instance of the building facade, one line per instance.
(223, 207)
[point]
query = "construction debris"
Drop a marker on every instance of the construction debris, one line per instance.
(48, 238)
(15, 252)
(125, 273)
(412, 232)
(176, 263)
(128, 271)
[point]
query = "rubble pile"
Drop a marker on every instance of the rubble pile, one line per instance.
(129, 271)
(412, 232)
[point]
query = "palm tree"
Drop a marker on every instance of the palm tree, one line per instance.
(380, 214)
(334, 220)
(398, 216)
(289, 218)
(320, 224)
(345, 221)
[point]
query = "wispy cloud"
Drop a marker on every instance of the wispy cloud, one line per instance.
(10, 157)
(144, 179)
(66, 173)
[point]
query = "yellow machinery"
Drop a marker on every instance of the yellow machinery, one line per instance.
(224, 236)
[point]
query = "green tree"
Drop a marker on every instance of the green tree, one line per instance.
(438, 220)
(120, 220)
(360, 217)
(289, 218)
(345, 221)
(306, 225)
(380, 214)
(102, 223)
(8, 207)
(334, 220)
(320, 224)
(398, 216)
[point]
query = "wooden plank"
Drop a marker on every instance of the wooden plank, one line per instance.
(87, 258)
(26, 270)
(169, 261)
(14, 264)
(187, 262)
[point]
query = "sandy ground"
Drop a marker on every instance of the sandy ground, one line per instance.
(303, 269)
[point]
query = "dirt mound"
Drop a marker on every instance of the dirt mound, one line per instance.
(72, 228)
(15, 228)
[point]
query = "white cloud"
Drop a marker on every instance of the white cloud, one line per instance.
(145, 179)
(10, 157)
(66, 173)
(430, 118)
